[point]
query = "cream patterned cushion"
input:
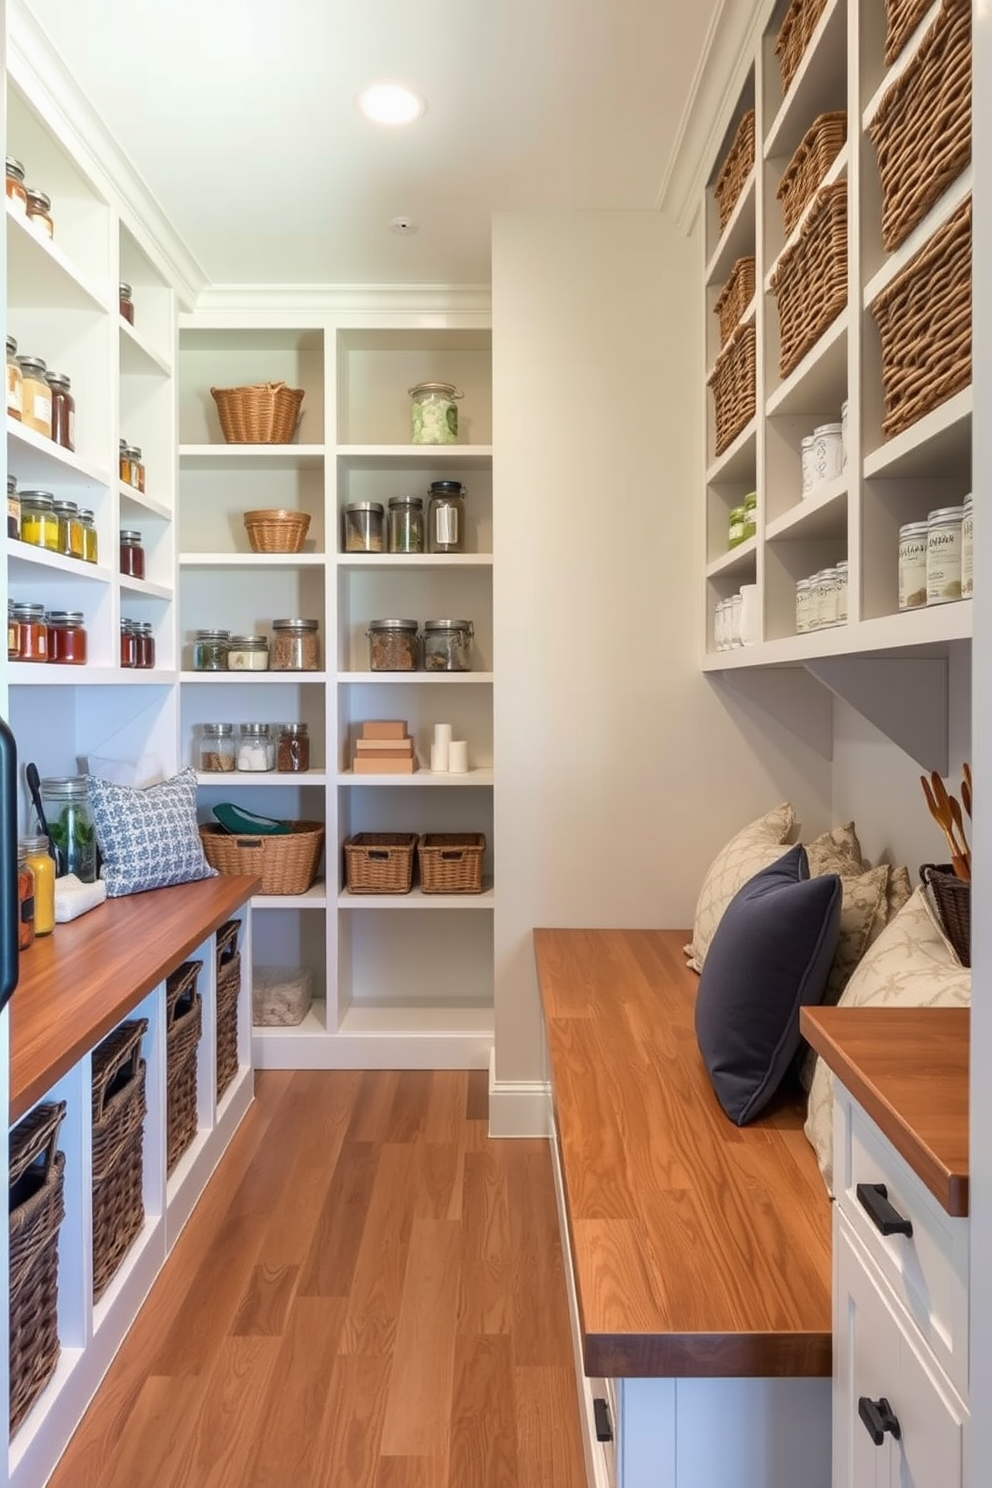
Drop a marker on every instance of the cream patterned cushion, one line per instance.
(756, 846)
(911, 964)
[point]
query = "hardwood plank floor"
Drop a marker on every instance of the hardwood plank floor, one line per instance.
(369, 1295)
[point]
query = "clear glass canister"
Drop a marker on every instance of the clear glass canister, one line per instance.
(39, 207)
(63, 410)
(129, 643)
(39, 523)
(42, 866)
(944, 554)
(434, 413)
(32, 631)
(448, 645)
(248, 653)
(842, 593)
(295, 646)
(70, 824)
(132, 554)
(67, 641)
(446, 517)
(91, 544)
(70, 529)
(804, 588)
(36, 411)
(13, 634)
(363, 527)
(217, 751)
(406, 524)
(735, 530)
(210, 649)
(912, 565)
(145, 638)
(13, 508)
(256, 747)
(393, 645)
(16, 191)
(827, 597)
(293, 749)
(126, 302)
(15, 382)
(968, 549)
(750, 514)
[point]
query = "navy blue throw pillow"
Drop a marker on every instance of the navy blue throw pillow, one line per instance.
(770, 956)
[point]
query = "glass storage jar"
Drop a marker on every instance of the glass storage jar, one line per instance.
(735, 531)
(13, 508)
(129, 644)
(137, 467)
(144, 637)
(249, 653)
(42, 866)
(804, 591)
(944, 554)
(293, 749)
(912, 565)
(70, 529)
(13, 634)
(15, 382)
(434, 413)
(16, 191)
(828, 453)
(126, 302)
(39, 208)
(132, 554)
(63, 410)
(406, 524)
(66, 637)
(39, 523)
(968, 549)
(256, 748)
(295, 647)
(32, 631)
(363, 527)
(25, 899)
(393, 645)
(750, 514)
(210, 650)
(70, 824)
(217, 753)
(448, 645)
(36, 408)
(446, 517)
(842, 593)
(91, 546)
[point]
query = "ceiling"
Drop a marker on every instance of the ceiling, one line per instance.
(240, 116)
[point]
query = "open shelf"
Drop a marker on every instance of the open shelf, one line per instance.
(921, 234)
(252, 560)
(417, 899)
(138, 357)
(436, 562)
(39, 463)
(739, 560)
(249, 456)
(737, 238)
(938, 441)
(483, 776)
(738, 460)
(40, 275)
(820, 83)
(824, 514)
(370, 456)
(431, 679)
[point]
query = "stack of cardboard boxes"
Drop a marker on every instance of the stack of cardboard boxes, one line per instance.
(384, 748)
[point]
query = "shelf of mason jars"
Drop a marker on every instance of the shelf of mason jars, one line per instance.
(40, 463)
(478, 777)
(819, 85)
(913, 632)
(48, 674)
(352, 456)
(40, 275)
(943, 208)
(343, 560)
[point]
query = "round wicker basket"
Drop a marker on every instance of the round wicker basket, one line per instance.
(276, 530)
(265, 413)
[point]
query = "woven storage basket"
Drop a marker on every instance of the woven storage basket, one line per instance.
(228, 994)
(264, 413)
(276, 530)
(952, 897)
(734, 298)
(451, 862)
(810, 280)
(921, 130)
(379, 862)
(732, 383)
(37, 1208)
(817, 151)
(901, 19)
(735, 169)
(286, 865)
(794, 36)
(119, 1108)
(924, 326)
(183, 1023)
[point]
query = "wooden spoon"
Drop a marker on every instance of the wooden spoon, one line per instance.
(943, 819)
(966, 786)
(959, 827)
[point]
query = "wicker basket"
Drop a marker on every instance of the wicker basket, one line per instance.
(276, 530)
(451, 862)
(265, 413)
(732, 382)
(817, 151)
(379, 862)
(37, 1208)
(119, 1108)
(228, 995)
(810, 279)
(734, 298)
(795, 35)
(952, 897)
(901, 19)
(924, 326)
(286, 865)
(735, 169)
(922, 127)
(183, 1023)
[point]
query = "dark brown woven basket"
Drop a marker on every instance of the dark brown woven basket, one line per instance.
(227, 942)
(264, 413)
(733, 385)
(119, 1107)
(901, 19)
(816, 153)
(228, 993)
(924, 326)
(795, 34)
(379, 862)
(286, 864)
(735, 169)
(810, 279)
(37, 1207)
(734, 298)
(451, 862)
(952, 896)
(184, 1022)
(922, 127)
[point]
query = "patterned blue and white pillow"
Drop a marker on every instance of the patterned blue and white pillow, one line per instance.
(148, 837)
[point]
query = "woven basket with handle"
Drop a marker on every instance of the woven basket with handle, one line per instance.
(184, 1023)
(735, 169)
(451, 862)
(810, 279)
(37, 1207)
(817, 150)
(119, 1107)
(264, 413)
(286, 864)
(952, 896)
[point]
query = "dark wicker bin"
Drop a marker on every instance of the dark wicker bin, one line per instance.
(228, 993)
(119, 1107)
(184, 1023)
(36, 1210)
(952, 896)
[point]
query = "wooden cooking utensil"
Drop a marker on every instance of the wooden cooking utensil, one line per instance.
(959, 829)
(966, 786)
(940, 810)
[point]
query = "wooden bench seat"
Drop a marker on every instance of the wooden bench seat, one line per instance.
(698, 1248)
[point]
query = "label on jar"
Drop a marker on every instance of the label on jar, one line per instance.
(913, 572)
(802, 609)
(27, 910)
(446, 526)
(943, 564)
(968, 556)
(248, 661)
(42, 409)
(72, 428)
(15, 399)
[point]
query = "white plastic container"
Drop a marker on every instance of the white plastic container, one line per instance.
(944, 554)
(968, 548)
(913, 565)
(828, 453)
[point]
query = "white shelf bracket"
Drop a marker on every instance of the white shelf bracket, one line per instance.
(905, 697)
(792, 697)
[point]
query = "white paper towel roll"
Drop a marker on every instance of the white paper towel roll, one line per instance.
(458, 757)
(439, 749)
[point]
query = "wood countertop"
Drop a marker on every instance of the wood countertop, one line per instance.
(699, 1248)
(908, 1068)
(78, 983)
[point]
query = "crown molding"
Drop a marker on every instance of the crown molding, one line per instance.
(422, 300)
(731, 44)
(42, 76)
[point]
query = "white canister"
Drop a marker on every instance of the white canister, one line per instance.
(828, 454)
(913, 565)
(735, 620)
(944, 554)
(809, 469)
(804, 595)
(843, 433)
(826, 592)
(842, 593)
(968, 548)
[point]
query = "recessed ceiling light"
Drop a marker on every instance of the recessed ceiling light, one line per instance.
(388, 103)
(403, 226)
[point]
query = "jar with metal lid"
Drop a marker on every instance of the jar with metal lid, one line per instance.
(844, 415)
(406, 524)
(248, 653)
(39, 523)
(434, 413)
(137, 467)
(25, 900)
(13, 634)
(126, 302)
(828, 453)
(70, 529)
(804, 600)
(132, 554)
(256, 747)
(842, 592)
(63, 410)
(217, 751)
(90, 541)
(124, 459)
(826, 588)
(144, 636)
(129, 644)
(295, 647)
(16, 190)
(750, 514)
(968, 549)
(15, 382)
(32, 631)
(393, 645)
(36, 409)
(39, 209)
(210, 649)
(293, 749)
(448, 645)
(42, 866)
(944, 554)
(67, 642)
(70, 824)
(13, 508)
(363, 527)
(913, 565)
(735, 531)
(446, 517)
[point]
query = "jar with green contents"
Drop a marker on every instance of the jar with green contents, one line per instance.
(406, 524)
(70, 825)
(210, 648)
(434, 413)
(750, 514)
(736, 531)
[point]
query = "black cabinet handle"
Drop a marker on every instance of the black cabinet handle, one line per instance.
(878, 1418)
(601, 1411)
(874, 1200)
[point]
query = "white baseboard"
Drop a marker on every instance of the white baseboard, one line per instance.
(518, 1108)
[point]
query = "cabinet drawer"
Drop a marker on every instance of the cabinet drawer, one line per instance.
(927, 1270)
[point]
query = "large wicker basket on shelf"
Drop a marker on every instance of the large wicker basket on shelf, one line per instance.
(228, 994)
(795, 34)
(276, 530)
(184, 1024)
(264, 413)
(379, 862)
(952, 898)
(816, 153)
(286, 864)
(734, 298)
(924, 326)
(922, 127)
(119, 1106)
(451, 862)
(36, 1210)
(901, 19)
(810, 279)
(735, 169)
(733, 385)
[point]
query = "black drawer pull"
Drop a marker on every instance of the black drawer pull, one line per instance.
(874, 1200)
(878, 1418)
(601, 1411)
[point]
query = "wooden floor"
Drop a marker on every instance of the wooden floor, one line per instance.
(369, 1295)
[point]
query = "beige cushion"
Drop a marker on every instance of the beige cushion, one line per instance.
(836, 851)
(911, 964)
(756, 846)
